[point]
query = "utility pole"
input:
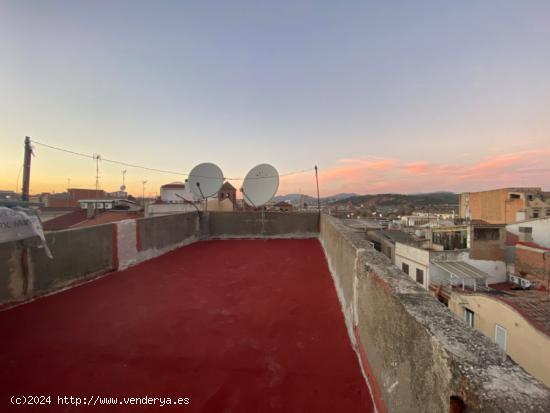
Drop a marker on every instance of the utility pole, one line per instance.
(27, 169)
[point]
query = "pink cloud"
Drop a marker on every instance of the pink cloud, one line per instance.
(375, 175)
(417, 168)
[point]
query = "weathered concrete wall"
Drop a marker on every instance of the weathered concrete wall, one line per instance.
(83, 253)
(254, 224)
(26, 272)
(167, 232)
(415, 352)
(13, 281)
(77, 253)
(87, 252)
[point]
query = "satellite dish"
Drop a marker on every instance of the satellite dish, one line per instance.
(205, 180)
(260, 185)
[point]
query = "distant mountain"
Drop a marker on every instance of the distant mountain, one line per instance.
(294, 198)
(433, 198)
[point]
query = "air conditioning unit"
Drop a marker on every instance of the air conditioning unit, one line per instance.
(521, 281)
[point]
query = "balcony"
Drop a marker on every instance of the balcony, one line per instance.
(240, 312)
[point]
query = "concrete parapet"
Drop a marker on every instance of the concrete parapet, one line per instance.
(83, 253)
(256, 224)
(417, 355)
(79, 254)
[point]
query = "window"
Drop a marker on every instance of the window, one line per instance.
(486, 234)
(469, 317)
(535, 213)
(515, 196)
(420, 276)
(501, 337)
(548, 212)
(405, 268)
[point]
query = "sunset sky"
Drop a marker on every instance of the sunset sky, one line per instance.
(383, 96)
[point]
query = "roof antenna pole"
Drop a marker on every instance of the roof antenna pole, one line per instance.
(317, 181)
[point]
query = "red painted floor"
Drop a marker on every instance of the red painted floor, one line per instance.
(235, 326)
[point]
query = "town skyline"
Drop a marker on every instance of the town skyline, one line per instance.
(383, 98)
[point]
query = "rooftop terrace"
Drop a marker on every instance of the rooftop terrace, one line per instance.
(183, 309)
(237, 325)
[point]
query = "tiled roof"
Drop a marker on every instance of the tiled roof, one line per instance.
(64, 221)
(533, 305)
(533, 245)
(108, 217)
(60, 208)
(227, 186)
(173, 186)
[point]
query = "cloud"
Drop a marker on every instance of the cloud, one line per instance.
(375, 175)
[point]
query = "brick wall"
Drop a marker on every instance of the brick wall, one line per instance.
(532, 263)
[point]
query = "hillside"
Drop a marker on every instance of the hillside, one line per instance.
(434, 198)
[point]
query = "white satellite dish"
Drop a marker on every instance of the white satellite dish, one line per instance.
(260, 185)
(205, 180)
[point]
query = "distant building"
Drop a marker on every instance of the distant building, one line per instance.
(477, 252)
(228, 191)
(384, 241)
(9, 195)
(282, 207)
(85, 218)
(529, 256)
(101, 204)
(517, 320)
(504, 206)
(174, 192)
(72, 197)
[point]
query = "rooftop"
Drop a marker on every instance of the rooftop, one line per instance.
(534, 305)
(399, 236)
(78, 218)
(237, 325)
(240, 311)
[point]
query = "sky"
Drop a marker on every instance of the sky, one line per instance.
(412, 96)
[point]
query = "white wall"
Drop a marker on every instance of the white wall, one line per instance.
(169, 194)
(167, 209)
(541, 230)
(420, 258)
(496, 270)
(416, 258)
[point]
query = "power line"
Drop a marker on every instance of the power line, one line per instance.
(155, 169)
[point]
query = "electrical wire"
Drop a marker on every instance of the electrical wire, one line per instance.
(156, 169)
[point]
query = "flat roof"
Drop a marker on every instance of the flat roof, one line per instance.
(236, 325)
(398, 236)
(462, 270)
